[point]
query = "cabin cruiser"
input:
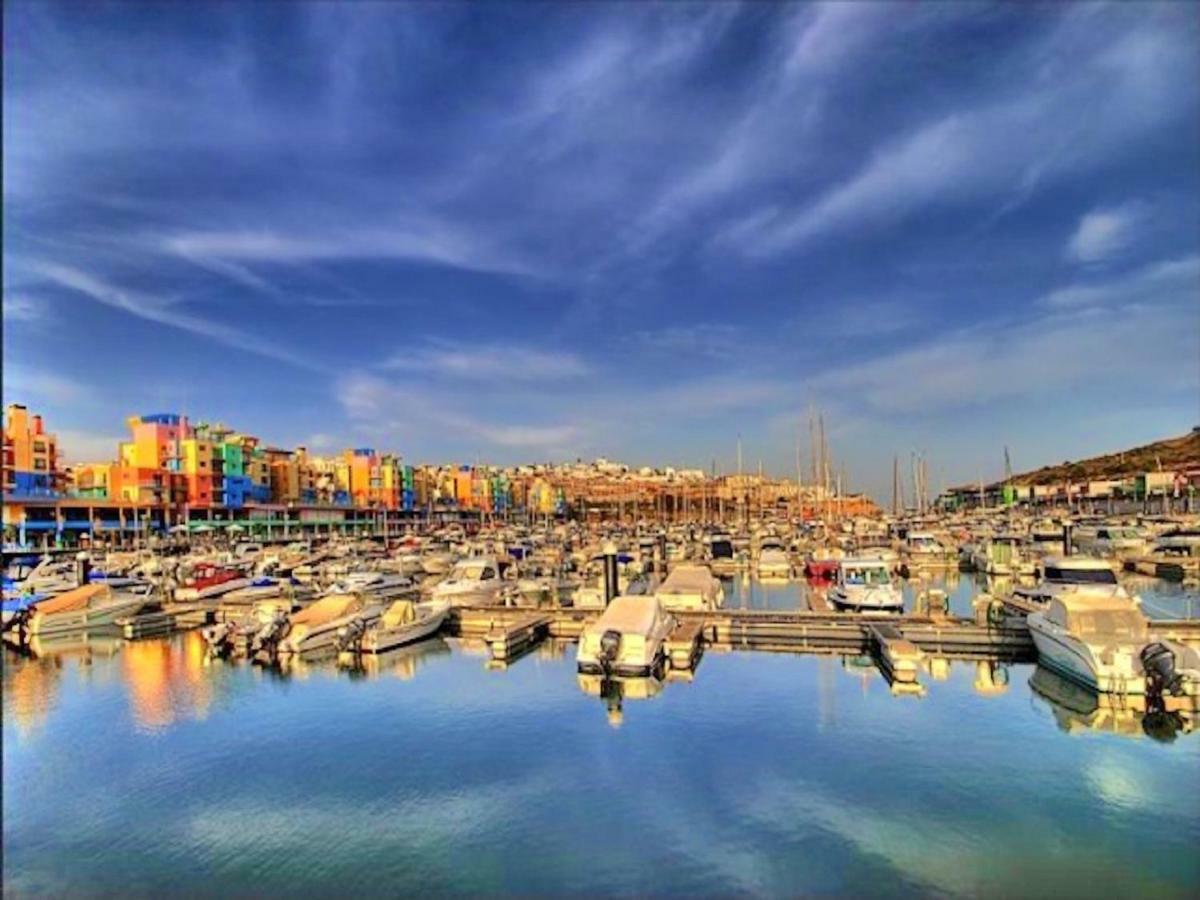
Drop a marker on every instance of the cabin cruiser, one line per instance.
(1117, 541)
(90, 606)
(316, 626)
(1103, 643)
(404, 622)
(628, 639)
(1068, 575)
(48, 577)
(209, 580)
(865, 585)
(472, 582)
(1174, 556)
(379, 585)
(922, 548)
(264, 588)
(773, 561)
(722, 558)
(691, 587)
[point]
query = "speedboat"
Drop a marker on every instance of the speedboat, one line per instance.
(924, 549)
(404, 622)
(472, 582)
(316, 627)
(380, 585)
(865, 585)
(628, 639)
(722, 557)
(90, 606)
(1002, 554)
(1103, 643)
(773, 561)
(691, 587)
(264, 588)
(210, 580)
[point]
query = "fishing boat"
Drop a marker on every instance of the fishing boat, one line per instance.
(404, 622)
(864, 584)
(627, 639)
(1103, 643)
(90, 606)
(691, 587)
(472, 582)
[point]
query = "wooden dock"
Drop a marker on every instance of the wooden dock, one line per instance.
(900, 656)
(508, 638)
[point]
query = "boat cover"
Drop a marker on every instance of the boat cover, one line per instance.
(630, 615)
(79, 598)
(688, 580)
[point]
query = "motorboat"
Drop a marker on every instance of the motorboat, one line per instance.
(316, 626)
(380, 585)
(404, 622)
(1077, 710)
(773, 561)
(209, 580)
(90, 606)
(1174, 557)
(49, 576)
(264, 588)
(864, 584)
(1103, 643)
(1118, 541)
(472, 582)
(822, 563)
(722, 557)
(631, 579)
(234, 633)
(923, 549)
(690, 586)
(1067, 575)
(627, 639)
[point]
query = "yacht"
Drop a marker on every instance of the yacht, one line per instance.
(864, 584)
(1117, 541)
(472, 582)
(628, 639)
(1064, 575)
(1103, 643)
(404, 622)
(691, 587)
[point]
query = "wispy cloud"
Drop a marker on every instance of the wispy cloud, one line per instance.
(1105, 232)
(21, 308)
(24, 383)
(710, 339)
(473, 361)
(166, 311)
(1176, 280)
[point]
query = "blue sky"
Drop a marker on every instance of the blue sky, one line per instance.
(545, 231)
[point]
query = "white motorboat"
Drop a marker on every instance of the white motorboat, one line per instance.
(1068, 575)
(773, 561)
(380, 585)
(1002, 554)
(316, 627)
(404, 622)
(864, 584)
(628, 639)
(472, 582)
(1118, 541)
(691, 587)
(1103, 643)
(90, 606)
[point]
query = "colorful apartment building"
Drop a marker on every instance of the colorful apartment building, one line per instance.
(31, 465)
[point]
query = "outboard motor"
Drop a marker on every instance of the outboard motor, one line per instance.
(1158, 660)
(350, 635)
(219, 637)
(267, 637)
(610, 646)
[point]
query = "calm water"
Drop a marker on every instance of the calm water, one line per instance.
(139, 769)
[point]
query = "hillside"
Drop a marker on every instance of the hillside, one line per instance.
(1171, 454)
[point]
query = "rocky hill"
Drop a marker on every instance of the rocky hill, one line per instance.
(1171, 454)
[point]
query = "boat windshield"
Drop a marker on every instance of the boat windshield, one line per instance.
(1109, 625)
(722, 550)
(867, 575)
(1080, 576)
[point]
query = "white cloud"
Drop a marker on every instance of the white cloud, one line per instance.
(26, 385)
(21, 308)
(468, 361)
(1103, 233)
(1176, 280)
(165, 311)
(705, 339)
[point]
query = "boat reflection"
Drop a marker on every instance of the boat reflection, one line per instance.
(1078, 710)
(402, 663)
(167, 680)
(991, 677)
(614, 692)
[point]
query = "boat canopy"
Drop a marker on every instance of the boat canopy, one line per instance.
(687, 579)
(630, 614)
(1099, 619)
(79, 598)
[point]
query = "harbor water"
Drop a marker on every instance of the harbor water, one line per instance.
(144, 769)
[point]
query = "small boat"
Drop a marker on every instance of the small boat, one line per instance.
(773, 561)
(822, 564)
(1103, 643)
(404, 622)
(1002, 554)
(264, 588)
(722, 557)
(316, 626)
(1119, 541)
(380, 585)
(865, 585)
(472, 582)
(923, 549)
(209, 580)
(691, 587)
(90, 606)
(628, 639)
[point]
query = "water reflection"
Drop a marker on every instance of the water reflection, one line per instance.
(402, 663)
(167, 680)
(615, 691)
(1077, 710)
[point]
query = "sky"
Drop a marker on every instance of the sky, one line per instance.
(532, 232)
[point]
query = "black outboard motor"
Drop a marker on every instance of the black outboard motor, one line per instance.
(610, 646)
(1159, 662)
(268, 636)
(351, 634)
